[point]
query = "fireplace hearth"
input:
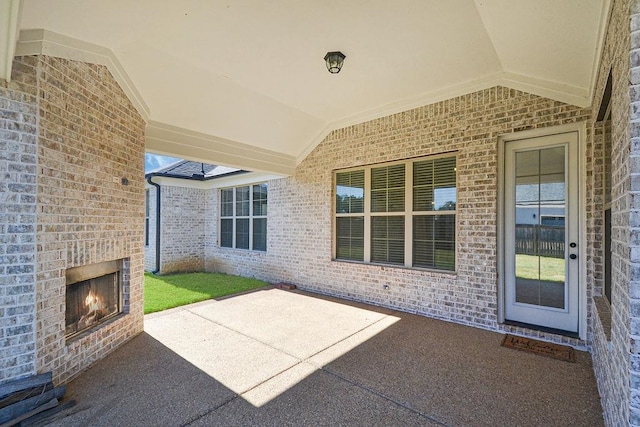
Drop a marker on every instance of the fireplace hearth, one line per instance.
(93, 296)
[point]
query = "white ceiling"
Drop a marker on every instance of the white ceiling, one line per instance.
(252, 72)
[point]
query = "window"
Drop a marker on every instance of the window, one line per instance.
(552, 220)
(603, 139)
(604, 125)
(146, 217)
(350, 215)
(243, 217)
(402, 213)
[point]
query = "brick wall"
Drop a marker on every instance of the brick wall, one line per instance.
(611, 357)
(300, 207)
(631, 178)
(183, 218)
(89, 137)
(18, 167)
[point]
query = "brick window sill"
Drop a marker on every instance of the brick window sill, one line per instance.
(395, 266)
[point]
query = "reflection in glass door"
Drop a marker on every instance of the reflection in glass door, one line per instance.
(540, 227)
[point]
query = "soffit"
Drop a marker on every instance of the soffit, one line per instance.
(252, 72)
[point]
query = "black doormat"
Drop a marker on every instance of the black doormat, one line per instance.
(556, 351)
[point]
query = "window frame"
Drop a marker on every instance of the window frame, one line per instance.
(251, 217)
(408, 213)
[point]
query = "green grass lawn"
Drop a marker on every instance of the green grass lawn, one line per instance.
(542, 268)
(174, 290)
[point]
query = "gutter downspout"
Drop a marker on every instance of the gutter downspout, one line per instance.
(158, 228)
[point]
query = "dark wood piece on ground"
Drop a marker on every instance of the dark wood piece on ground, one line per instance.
(46, 417)
(24, 394)
(25, 383)
(48, 405)
(19, 408)
(285, 286)
(24, 398)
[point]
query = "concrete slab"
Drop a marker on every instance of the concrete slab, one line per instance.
(339, 349)
(235, 360)
(321, 399)
(462, 376)
(293, 358)
(277, 385)
(143, 383)
(293, 323)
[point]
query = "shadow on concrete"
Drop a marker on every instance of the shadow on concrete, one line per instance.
(414, 371)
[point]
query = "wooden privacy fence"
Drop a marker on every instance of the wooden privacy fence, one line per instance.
(541, 240)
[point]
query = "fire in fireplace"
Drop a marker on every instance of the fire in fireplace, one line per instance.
(93, 295)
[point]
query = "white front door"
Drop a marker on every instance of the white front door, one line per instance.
(541, 231)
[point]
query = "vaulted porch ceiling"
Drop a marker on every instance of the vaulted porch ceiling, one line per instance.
(243, 83)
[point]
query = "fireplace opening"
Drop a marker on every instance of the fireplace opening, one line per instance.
(93, 296)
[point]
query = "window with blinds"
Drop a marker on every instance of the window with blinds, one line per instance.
(402, 213)
(350, 215)
(387, 214)
(243, 217)
(434, 205)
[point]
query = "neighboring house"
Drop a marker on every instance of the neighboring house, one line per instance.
(414, 210)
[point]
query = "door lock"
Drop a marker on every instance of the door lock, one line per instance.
(573, 256)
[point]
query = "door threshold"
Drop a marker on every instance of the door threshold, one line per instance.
(554, 331)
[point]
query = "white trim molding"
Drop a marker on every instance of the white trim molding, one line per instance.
(233, 180)
(579, 97)
(45, 42)
(607, 7)
(573, 95)
(9, 19)
(166, 139)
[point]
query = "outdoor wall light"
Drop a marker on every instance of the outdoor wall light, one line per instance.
(334, 61)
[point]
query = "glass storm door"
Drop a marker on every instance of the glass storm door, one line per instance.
(542, 231)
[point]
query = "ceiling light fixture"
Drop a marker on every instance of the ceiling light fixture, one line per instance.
(334, 61)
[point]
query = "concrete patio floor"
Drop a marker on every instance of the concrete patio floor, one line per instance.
(275, 357)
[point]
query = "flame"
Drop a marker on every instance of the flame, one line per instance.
(93, 302)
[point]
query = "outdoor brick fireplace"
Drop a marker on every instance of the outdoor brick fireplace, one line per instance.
(75, 149)
(93, 296)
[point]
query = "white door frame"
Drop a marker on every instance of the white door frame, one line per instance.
(581, 129)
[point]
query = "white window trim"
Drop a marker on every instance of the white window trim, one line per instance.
(408, 213)
(234, 217)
